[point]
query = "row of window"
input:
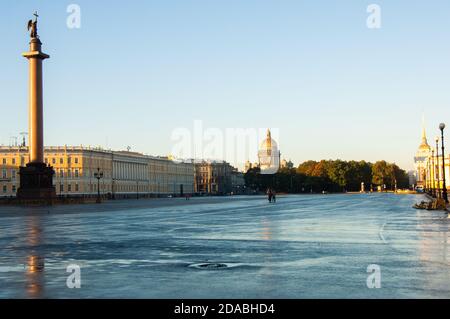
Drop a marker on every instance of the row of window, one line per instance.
(52, 160)
(61, 160)
(69, 187)
(205, 181)
(138, 169)
(171, 167)
(61, 188)
(5, 188)
(93, 188)
(68, 173)
(13, 161)
(76, 173)
(5, 173)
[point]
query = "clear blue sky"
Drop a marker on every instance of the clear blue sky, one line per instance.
(136, 70)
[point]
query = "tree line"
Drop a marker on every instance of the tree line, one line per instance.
(330, 176)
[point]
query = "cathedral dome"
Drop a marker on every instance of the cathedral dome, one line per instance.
(269, 144)
(269, 155)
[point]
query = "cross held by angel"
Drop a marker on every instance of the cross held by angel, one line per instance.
(32, 26)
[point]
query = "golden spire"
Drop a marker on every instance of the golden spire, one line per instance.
(424, 136)
(424, 143)
(269, 142)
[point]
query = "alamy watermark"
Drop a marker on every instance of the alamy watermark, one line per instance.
(374, 278)
(234, 145)
(374, 18)
(73, 21)
(74, 279)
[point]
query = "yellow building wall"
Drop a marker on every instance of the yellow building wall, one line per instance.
(75, 168)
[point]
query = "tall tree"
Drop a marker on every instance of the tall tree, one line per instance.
(329, 175)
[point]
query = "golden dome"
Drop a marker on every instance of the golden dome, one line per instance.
(268, 144)
(424, 147)
(269, 155)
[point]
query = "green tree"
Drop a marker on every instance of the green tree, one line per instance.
(337, 172)
(328, 175)
(383, 174)
(307, 168)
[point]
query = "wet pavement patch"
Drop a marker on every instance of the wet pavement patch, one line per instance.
(212, 266)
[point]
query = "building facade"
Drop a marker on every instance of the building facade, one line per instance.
(429, 170)
(237, 182)
(420, 160)
(433, 177)
(213, 177)
(125, 174)
(249, 165)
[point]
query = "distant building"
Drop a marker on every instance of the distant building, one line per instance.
(213, 177)
(421, 159)
(433, 174)
(412, 177)
(125, 174)
(249, 165)
(287, 164)
(269, 155)
(237, 182)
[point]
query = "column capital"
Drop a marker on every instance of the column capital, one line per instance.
(35, 54)
(35, 50)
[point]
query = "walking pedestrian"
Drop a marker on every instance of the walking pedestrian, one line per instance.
(269, 195)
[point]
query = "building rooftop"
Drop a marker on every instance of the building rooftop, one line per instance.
(4, 148)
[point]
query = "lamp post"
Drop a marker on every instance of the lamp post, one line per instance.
(444, 187)
(61, 183)
(98, 175)
(427, 178)
(433, 175)
(113, 190)
(438, 189)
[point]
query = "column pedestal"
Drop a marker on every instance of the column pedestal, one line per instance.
(36, 182)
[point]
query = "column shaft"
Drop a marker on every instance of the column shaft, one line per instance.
(36, 118)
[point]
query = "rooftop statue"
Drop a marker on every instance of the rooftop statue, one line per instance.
(32, 26)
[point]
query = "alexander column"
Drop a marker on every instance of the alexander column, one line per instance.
(36, 179)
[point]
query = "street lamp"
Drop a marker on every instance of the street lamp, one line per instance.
(444, 187)
(433, 175)
(61, 183)
(427, 176)
(98, 175)
(113, 190)
(438, 189)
